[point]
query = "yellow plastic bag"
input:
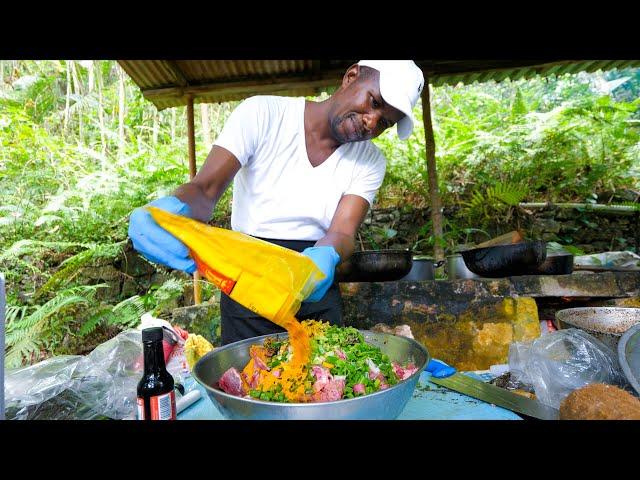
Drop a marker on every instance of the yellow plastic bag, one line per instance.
(268, 279)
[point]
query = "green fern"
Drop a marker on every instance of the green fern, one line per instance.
(169, 291)
(484, 205)
(501, 193)
(15, 313)
(128, 312)
(94, 320)
(509, 194)
(24, 247)
(477, 201)
(72, 266)
(518, 107)
(125, 314)
(23, 335)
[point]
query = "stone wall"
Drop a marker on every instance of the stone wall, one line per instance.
(127, 275)
(471, 323)
(461, 323)
(589, 231)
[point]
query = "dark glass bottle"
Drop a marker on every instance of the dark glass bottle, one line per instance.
(156, 396)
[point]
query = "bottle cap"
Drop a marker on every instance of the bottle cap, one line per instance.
(152, 334)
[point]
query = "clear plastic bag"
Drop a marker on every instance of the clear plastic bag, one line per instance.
(560, 362)
(609, 259)
(102, 384)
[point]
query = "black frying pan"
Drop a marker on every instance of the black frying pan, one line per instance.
(375, 266)
(505, 260)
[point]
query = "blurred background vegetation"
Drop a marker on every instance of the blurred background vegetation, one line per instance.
(80, 149)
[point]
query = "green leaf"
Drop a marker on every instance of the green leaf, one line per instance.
(518, 107)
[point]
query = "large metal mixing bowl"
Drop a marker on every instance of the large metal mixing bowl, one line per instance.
(605, 323)
(382, 405)
(629, 356)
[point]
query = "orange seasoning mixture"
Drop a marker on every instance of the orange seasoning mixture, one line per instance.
(290, 377)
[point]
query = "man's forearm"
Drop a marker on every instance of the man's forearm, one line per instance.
(205, 189)
(201, 205)
(344, 244)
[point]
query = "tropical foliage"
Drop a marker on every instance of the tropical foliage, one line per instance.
(80, 148)
(546, 139)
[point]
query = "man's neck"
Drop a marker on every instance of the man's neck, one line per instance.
(316, 126)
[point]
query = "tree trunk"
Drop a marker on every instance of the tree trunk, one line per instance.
(65, 121)
(103, 136)
(155, 126)
(191, 138)
(434, 194)
(13, 70)
(121, 106)
(77, 89)
(216, 120)
(206, 125)
(77, 86)
(92, 78)
(173, 124)
(191, 141)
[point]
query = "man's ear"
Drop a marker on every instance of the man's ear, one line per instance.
(352, 73)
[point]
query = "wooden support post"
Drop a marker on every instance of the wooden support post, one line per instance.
(192, 138)
(192, 173)
(434, 194)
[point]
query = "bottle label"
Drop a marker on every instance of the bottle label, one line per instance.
(163, 407)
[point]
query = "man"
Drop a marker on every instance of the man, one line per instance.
(305, 176)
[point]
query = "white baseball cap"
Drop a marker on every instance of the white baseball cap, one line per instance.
(401, 83)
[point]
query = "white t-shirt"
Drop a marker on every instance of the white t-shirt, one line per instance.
(277, 193)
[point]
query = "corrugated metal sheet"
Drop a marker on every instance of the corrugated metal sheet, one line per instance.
(492, 73)
(201, 71)
(167, 83)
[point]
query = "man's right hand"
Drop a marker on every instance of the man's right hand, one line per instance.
(154, 242)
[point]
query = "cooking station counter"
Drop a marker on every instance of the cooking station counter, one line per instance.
(428, 402)
(470, 323)
(579, 284)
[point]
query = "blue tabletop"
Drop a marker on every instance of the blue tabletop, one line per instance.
(429, 402)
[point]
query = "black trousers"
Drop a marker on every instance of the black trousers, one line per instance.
(239, 323)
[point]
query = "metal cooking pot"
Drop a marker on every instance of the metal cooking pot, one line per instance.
(375, 266)
(422, 268)
(456, 268)
(505, 260)
(605, 323)
(382, 405)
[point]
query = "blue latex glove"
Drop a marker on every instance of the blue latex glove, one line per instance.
(439, 369)
(326, 258)
(154, 242)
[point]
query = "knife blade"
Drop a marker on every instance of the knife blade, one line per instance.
(498, 396)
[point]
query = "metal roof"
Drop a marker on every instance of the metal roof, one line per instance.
(169, 83)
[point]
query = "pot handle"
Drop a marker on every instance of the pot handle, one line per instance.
(438, 264)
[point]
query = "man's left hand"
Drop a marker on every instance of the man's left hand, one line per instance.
(326, 258)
